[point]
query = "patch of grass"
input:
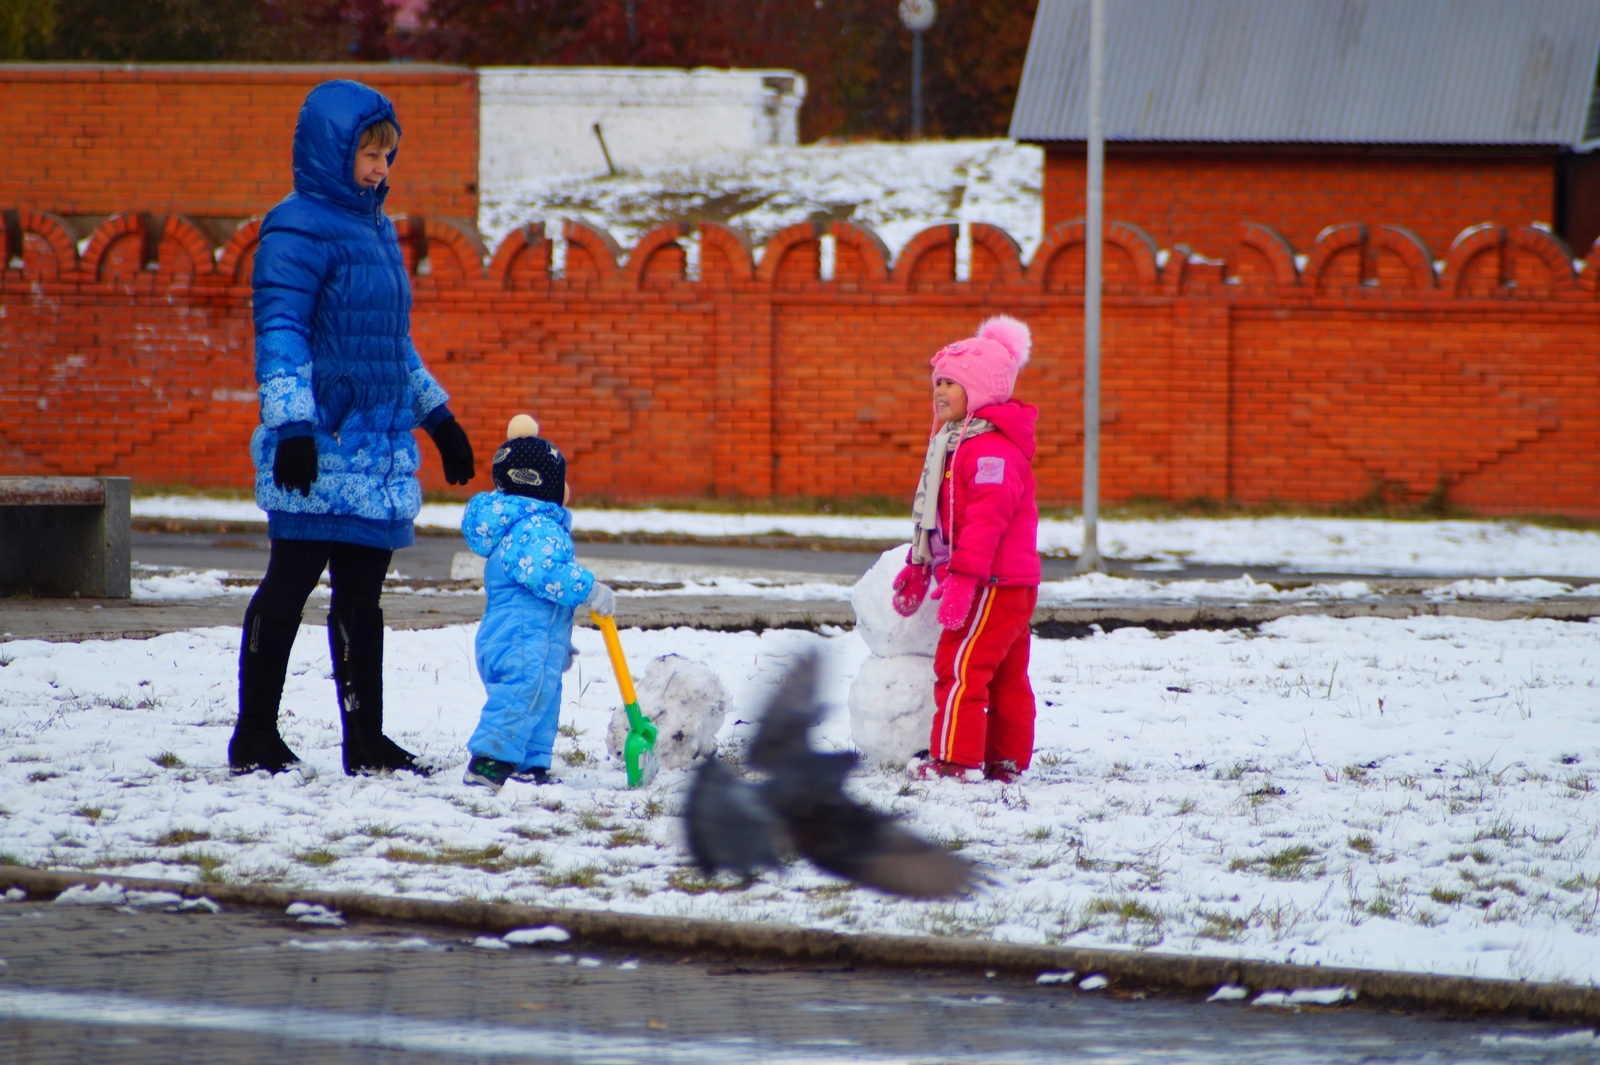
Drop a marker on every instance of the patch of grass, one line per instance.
(1187, 806)
(1290, 863)
(1355, 773)
(1040, 834)
(531, 833)
(26, 758)
(555, 806)
(1480, 855)
(179, 837)
(210, 865)
(1445, 896)
(956, 843)
(168, 760)
(576, 757)
(1221, 926)
(1504, 831)
(1119, 771)
(375, 830)
(9, 859)
(688, 880)
(39, 776)
(317, 857)
(491, 859)
(90, 814)
(1382, 907)
(1123, 910)
(592, 821)
(583, 876)
(1362, 843)
(653, 809)
(627, 837)
(570, 731)
(1236, 771)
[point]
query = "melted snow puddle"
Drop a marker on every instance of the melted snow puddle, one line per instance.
(405, 1034)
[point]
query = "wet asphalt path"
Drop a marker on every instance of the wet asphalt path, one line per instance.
(86, 984)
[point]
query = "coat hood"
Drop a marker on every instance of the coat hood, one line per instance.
(1015, 420)
(491, 516)
(325, 138)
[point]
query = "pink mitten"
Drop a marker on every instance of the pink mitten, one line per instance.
(955, 601)
(910, 588)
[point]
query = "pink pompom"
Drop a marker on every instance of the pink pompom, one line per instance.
(1010, 334)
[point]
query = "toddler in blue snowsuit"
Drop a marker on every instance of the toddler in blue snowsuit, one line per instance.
(534, 585)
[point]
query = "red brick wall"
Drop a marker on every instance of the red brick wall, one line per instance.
(1254, 380)
(213, 141)
(1200, 198)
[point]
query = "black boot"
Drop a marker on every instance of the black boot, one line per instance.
(263, 661)
(356, 640)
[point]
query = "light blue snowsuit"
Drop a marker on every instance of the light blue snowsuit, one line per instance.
(533, 584)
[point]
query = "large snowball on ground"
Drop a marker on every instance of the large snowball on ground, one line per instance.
(891, 707)
(686, 702)
(886, 632)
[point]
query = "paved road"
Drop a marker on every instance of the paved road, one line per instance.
(96, 984)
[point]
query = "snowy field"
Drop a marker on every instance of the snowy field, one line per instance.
(1343, 545)
(1412, 794)
(897, 190)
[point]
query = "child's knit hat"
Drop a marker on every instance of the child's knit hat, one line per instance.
(986, 365)
(528, 466)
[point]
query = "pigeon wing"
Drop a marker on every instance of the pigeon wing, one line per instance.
(870, 848)
(729, 825)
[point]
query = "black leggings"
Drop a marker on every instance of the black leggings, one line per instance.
(355, 572)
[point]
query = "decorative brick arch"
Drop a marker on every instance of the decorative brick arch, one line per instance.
(465, 247)
(183, 232)
(1410, 250)
(1274, 248)
(919, 247)
(732, 246)
(638, 268)
(1007, 253)
(1561, 280)
(1483, 239)
(782, 244)
(53, 230)
(1139, 246)
(104, 236)
(868, 247)
(599, 246)
(524, 240)
(1330, 242)
(239, 251)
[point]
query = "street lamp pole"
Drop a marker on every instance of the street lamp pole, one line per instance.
(917, 16)
(1094, 248)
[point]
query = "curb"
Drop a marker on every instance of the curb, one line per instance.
(1126, 970)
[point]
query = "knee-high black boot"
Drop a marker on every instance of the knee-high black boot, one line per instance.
(263, 661)
(356, 640)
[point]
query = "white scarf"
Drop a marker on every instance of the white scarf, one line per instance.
(944, 442)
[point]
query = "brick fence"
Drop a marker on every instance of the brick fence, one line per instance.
(1362, 362)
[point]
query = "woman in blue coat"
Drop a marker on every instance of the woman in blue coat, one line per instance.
(342, 387)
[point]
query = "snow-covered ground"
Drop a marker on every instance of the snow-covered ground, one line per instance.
(1414, 794)
(1342, 545)
(898, 190)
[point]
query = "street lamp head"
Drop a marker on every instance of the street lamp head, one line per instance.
(917, 15)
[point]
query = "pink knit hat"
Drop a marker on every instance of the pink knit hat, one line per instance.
(987, 364)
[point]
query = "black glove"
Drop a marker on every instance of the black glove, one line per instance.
(455, 450)
(295, 467)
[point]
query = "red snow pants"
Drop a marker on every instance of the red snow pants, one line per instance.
(984, 703)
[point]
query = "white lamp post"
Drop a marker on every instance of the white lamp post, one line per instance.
(917, 16)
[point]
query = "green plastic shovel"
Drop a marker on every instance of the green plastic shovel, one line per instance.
(639, 750)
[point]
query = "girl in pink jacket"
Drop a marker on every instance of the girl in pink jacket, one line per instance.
(977, 530)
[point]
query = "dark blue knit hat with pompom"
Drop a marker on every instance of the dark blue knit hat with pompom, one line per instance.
(528, 466)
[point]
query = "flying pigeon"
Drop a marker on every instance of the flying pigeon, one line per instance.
(800, 808)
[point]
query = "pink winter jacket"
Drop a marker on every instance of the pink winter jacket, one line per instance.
(994, 534)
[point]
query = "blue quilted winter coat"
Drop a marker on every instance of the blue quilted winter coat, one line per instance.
(334, 357)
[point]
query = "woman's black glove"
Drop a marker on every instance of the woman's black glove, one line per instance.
(455, 450)
(295, 466)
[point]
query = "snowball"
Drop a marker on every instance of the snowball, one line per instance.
(546, 934)
(887, 633)
(686, 702)
(891, 707)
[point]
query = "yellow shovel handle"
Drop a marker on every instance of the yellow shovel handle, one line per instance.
(619, 665)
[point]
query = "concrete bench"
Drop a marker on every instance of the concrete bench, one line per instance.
(65, 536)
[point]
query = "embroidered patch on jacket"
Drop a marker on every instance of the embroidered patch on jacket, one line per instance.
(991, 470)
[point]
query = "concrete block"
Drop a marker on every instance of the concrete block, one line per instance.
(66, 536)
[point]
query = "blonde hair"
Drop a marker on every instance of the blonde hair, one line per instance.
(381, 135)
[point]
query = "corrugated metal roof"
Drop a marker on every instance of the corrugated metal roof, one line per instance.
(1318, 71)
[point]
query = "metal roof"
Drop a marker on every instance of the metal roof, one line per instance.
(1319, 71)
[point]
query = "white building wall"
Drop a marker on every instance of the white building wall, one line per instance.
(539, 122)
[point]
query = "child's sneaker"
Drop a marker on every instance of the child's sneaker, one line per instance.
(933, 769)
(486, 772)
(536, 775)
(1004, 771)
